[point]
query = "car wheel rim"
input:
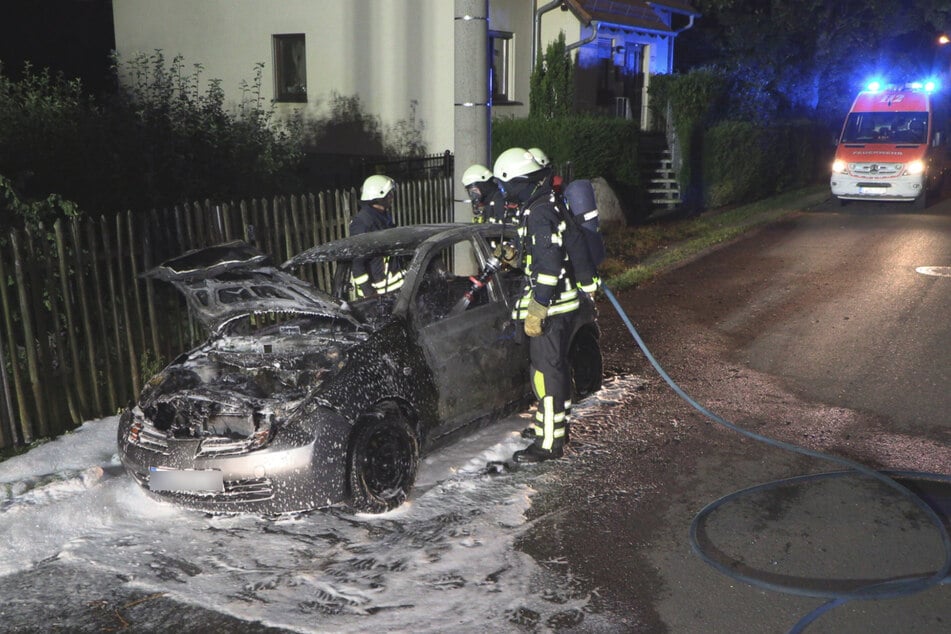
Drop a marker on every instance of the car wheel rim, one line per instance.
(384, 467)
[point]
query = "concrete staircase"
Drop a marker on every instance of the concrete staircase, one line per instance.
(664, 191)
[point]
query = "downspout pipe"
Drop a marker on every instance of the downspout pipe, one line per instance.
(537, 28)
(594, 24)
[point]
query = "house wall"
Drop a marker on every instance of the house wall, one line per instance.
(515, 16)
(390, 54)
(554, 22)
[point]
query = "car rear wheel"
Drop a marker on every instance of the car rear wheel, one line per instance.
(383, 461)
(586, 363)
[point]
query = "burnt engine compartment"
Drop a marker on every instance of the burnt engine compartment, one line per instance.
(247, 381)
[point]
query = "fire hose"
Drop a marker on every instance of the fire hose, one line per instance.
(891, 588)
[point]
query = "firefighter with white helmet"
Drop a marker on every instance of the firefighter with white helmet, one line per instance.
(550, 296)
(488, 203)
(375, 275)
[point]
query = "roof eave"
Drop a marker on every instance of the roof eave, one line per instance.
(677, 7)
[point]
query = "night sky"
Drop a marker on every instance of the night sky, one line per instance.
(72, 36)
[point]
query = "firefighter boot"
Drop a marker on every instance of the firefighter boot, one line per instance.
(533, 453)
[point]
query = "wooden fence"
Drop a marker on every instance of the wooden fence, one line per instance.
(81, 330)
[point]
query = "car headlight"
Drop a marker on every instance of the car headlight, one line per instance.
(839, 166)
(915, 167)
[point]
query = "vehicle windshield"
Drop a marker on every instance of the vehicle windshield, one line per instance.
(886, 127)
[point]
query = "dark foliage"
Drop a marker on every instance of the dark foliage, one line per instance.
(167, 138)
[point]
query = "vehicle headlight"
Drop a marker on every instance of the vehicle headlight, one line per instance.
(839, 166)
(915, 167)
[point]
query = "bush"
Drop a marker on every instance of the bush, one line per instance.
(743, 161)
(167, 138)
(736, 146)
(593, 146)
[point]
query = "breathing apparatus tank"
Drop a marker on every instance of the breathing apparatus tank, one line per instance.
(579, 195)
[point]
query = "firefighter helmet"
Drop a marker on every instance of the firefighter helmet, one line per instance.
(540, 157)
(513, 163)
(476, 174)
(376, 187)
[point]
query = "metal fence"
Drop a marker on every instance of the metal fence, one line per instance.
(80, 330)
(341, 171)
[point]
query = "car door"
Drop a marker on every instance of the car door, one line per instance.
(479, 364)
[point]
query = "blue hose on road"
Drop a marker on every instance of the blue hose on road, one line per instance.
(883, 590)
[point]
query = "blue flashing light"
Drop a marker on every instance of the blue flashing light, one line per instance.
(873, 86)
(928, 85)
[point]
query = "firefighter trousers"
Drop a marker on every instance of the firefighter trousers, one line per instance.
(551, 381)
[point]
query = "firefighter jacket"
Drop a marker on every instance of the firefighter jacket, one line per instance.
(381, 275)
(553, 275)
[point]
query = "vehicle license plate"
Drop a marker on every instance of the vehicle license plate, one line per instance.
(185, 480)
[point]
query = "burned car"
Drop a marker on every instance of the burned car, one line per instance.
(303, 398)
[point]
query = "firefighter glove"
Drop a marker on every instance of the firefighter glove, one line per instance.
(533, 320)
(507, 255)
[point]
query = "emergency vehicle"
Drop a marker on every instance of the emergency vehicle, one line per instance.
(893, 145)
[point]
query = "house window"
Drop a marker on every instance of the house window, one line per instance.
(290, 68)
(500, 56)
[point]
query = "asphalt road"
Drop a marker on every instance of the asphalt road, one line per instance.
(819, 330)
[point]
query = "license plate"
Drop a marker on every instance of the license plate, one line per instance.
(190, 480)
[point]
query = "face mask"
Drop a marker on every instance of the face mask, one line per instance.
(518, 191)
(474, 194)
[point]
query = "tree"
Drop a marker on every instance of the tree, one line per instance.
(812, 56)
(552, 82)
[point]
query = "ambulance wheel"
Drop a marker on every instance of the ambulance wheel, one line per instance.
(922, 201)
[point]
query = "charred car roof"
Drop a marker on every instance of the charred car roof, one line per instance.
(394, 241)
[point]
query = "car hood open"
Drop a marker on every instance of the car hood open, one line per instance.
(226, 281)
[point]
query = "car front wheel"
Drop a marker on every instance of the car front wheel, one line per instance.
(383, 461)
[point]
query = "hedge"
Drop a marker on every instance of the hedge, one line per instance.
(742, 161)
(594, 146)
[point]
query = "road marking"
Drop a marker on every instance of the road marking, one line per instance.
(937, 271)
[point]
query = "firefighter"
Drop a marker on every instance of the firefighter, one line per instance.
(375, 275)
(549, 299)
(488, 203)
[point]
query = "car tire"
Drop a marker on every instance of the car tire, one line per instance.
(383, 461)
(922, 201)
(584, 356)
